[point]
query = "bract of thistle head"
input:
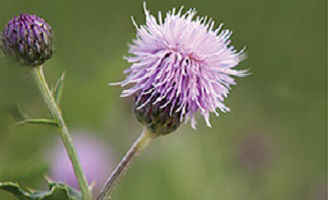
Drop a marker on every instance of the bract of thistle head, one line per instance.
(181, 65)
(28, 39)
(156, 117)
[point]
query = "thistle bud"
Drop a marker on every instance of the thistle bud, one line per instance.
(28, 39)
(159, 117)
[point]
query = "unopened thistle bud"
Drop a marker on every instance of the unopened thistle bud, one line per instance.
(180, 65)
(28, 39)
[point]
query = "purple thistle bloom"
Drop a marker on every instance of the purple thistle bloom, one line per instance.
(27, 38)
(95, 156)
(181, 65)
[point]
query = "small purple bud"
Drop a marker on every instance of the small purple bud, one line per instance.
(28, 39)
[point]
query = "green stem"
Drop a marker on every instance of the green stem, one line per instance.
(63, 131)
(121, 168)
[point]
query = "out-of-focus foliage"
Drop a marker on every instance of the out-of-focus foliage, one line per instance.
(272, 145)
(56, 191)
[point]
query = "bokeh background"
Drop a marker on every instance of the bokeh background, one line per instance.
(272, 145)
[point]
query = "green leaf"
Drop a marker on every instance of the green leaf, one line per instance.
(58, 90)
(39, 121)
(57, 191)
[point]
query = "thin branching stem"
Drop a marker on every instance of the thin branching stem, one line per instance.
(63, 130)
(122, 167)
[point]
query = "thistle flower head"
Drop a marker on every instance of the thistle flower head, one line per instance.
(27, 38)
(180, 65)
(95, 156)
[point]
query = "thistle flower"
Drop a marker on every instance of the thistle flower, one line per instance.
(180, 65)
(96, 160)
(27, 38)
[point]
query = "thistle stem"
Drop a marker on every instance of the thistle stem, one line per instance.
(122, 167)
(63, 130)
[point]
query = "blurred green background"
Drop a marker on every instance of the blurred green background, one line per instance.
(272, 145)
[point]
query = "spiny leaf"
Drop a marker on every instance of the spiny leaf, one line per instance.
(58, 90)
(39, 121)
(57, 191)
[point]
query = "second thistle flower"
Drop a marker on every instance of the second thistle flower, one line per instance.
(180, 65)
(28, 39)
